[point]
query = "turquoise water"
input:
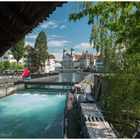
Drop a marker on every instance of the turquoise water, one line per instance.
(32, 113)
(35, 112)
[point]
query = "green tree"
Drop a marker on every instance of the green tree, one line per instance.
(1, 65)
(20, 67)
(18, 50)
(115, 30)
(14, 66)
(40, 52)
(7, 65)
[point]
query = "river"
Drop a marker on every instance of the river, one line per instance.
(34, 112)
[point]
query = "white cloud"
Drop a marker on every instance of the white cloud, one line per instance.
(31, 36)
(58, 56)
(53, 36)
(83, 45)
(29, 43)
(58, 43)
(78, 52)
(62, 26)
(49, 24)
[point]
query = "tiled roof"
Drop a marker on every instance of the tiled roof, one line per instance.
(51, 56)
(87, 55)
(28, 47)
(77, 57)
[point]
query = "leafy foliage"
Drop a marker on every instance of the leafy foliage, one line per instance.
(1, 65)
(15, 66)
(18, 49)
(6, 65)
(115, 30)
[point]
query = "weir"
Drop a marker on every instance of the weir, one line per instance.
(26, 83)
(45, 83)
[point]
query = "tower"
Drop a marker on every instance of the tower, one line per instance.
(64, 52)
(72, 52)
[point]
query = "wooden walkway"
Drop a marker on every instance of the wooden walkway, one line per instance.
(93, 123)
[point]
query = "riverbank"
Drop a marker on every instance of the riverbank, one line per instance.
(8, 88)
(72, 123)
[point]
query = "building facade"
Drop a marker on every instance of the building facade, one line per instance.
(86, 60)
(71, 60)
(67, 59)
(50, 64)
(98, 64)
(9, 57)
(28, 59)
(76, 61)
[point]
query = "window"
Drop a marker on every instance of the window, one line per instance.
(5, 57)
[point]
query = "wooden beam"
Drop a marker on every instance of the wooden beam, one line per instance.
(11, 15)
(19, 18)
(15, 10)
(11, 30)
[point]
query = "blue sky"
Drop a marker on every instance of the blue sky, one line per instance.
(62, 33)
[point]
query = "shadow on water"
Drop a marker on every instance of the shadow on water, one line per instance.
(73, 122)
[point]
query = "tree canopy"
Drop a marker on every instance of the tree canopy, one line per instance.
(40, 52)
(18, 50)
(115, 30)
(118, 20)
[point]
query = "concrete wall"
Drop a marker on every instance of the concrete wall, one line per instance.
(48, 78)
(34, 76)
(101, 86)
(7, 89)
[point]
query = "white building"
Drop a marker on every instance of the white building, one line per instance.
(97, 61)
(50, 64)
(9, 57)
(58, 66)
(28, 56)
(76, 61)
